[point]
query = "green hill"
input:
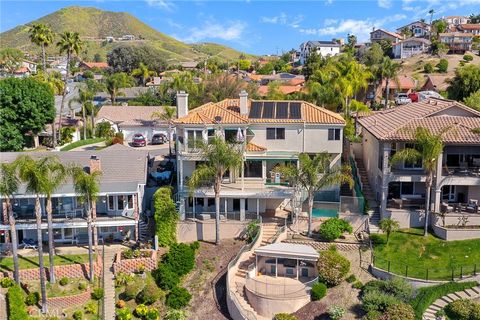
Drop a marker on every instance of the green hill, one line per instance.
(94, 25)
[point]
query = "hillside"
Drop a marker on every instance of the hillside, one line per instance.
(94, 24)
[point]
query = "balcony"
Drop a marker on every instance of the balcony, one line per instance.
(465, 171)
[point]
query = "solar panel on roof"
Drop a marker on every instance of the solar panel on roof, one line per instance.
(268, 108)
(256, 110)
(295, 110)
(281, 110)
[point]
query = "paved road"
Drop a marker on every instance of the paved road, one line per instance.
(73, 92)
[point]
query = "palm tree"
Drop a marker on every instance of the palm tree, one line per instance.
(389, 226)
(85, 99)
(41, 35)
(219, 157)
(53, 79)
(54, 175)
(143, 72)
(389, 71)
(428, 147)
(167, 115)
(314, 174)
(8, 187)
(117, 81)
(31, 174)
(87, 188)
(430, 12)
(70, 43)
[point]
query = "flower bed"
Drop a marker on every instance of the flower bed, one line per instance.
(145, 260)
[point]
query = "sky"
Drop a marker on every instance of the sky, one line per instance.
(256, 27)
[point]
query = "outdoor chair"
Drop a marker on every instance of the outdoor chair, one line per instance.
(29, 244)
(472, 206)
(446, 208)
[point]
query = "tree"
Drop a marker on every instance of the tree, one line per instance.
(406, 32)
(166, 217)
(438, 26)
(222, 86)
(85, 98)
(274, 92)
(98, 57)
(389, 71)
(143, 73)
(168, 115)
(314, 62)
(314, 174)
(244, 64)
(117, 81)
(428, 147)
(87, 188)
(127, 58)
(31, 174)
(267, 68)
(219, 156)
(389, 226)
(26, 105)
(10, 59)
(474, 18)
(386, 45)
(465, 82)
(473, 101)
(8, 188)
(41, 35)
(442, 66)
(430, 12)
(93, 87)
(53, 79)
(69, 43)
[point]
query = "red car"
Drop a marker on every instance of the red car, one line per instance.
(139, 140)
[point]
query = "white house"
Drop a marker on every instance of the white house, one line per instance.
(418, 29)
(410, 47)
(323, 48)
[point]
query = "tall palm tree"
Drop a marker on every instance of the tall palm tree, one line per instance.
(314, 174)
(41, 35)
(8, 187)
(85, 99)
(117, 81)
(430, 12)
(219, 157)
(143, 72)
(389, 71)
(54, 175)
(31, 174)
(53, 79)
(87, 188)
(69, 43)
(428, 147)
(167, 115)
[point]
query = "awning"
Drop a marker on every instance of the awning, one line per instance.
(289, 251)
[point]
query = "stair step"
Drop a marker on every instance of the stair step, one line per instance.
(471, 293)
(476, 289)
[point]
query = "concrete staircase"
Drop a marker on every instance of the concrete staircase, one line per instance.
(369, 196)
(144, 230)
(440, 303)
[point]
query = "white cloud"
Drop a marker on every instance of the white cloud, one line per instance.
(161, 4)
(384, 3)
(283, 19)
(174, 24)
(211, 29)
(327, 2)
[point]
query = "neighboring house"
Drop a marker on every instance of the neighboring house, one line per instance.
(438, 83)
(132, 119)
(75, 123)
(410, 47)
(418, 29)
(405, 84)
(323, 48)
(286, 90)
(457, 42)
(287, 79)
(270, 133)
(127, 37)
(456, 20)
(119, 207)
(400, 189)
(381, 34)
(93, 65)
(472, 28)
(189, 65)
(125, 95)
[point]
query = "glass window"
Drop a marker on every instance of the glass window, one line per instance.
(270, 133)
(304, 272)
(407, 187)
(289, 271)
(236, 204)
(120, 202)
(273, 269)
(334, 134)
(253, 169)
(111, 201)
(130, 201)
(211, 202)
(280, 134)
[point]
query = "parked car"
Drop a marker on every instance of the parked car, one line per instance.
(402, 98)
(159, 138)
(139, 140)
(413, 96)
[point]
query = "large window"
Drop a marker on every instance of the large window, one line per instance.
(253, 169)
(334, 134)
(275, 133)
(193, 136)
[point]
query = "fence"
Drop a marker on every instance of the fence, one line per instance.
(276, 287)
(451, 273)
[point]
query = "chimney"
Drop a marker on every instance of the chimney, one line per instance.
(182, 104)
(95, 164)
(243, 102)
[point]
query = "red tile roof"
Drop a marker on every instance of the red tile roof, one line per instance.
(99, 65)
(263, 90)
(404, 83)
(252, 147)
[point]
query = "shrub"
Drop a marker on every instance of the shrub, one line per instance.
(104, 130)
(150, 294)
(351, 278)
(319, 290)
(97, 294)
(122, 279)
(461, 310)
(7, 282)
(165, 277)
(124, 314)
(475, 311)
(180, 258)
(152, 314)
(78, 315)
(332, 267)
(82, 285)
(32, 298)
(401, 311)
(336, 312)
(252, 230)
(442, 65)
(358, 284)
(141, 310)
(195, 245)
(173, 314)
(285, 316)
(428, 68)
(63, 281)
(378, 239)
(16, 304)
(468, 57)
(132, 289)
(333, 228)
(166, 216)
(395, 287)
(91, 308)
(178, 298)
(120, 304)
(378, 301)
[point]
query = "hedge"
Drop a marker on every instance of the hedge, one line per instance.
(17, 309)
(166, 217)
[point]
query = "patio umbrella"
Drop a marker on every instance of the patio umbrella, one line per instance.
(239, 135)
(205, 135)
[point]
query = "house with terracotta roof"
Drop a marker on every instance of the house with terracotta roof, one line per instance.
(457, 42)
(438, 83)
(473, 28)
(93, 65)
(398, 191)
(378, 35)
(403, 84)
(271, 133)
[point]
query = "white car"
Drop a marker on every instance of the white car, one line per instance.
(402, 98)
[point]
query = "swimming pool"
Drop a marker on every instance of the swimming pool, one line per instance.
(324, 213)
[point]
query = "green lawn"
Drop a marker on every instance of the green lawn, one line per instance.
(6, 264)
(81, 143)
(409, 252)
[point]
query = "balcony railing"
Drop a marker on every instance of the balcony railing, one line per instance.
(462, 171)
(73, 214)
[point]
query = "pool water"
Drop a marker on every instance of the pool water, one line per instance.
(324, 213)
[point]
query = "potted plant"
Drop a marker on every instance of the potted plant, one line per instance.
(141, 270)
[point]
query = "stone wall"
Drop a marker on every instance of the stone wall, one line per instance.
(61, 303)
(451, 234)
(132, 265)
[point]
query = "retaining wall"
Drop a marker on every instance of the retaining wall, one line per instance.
(451, 234)
(197, 230)
(132, 265)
